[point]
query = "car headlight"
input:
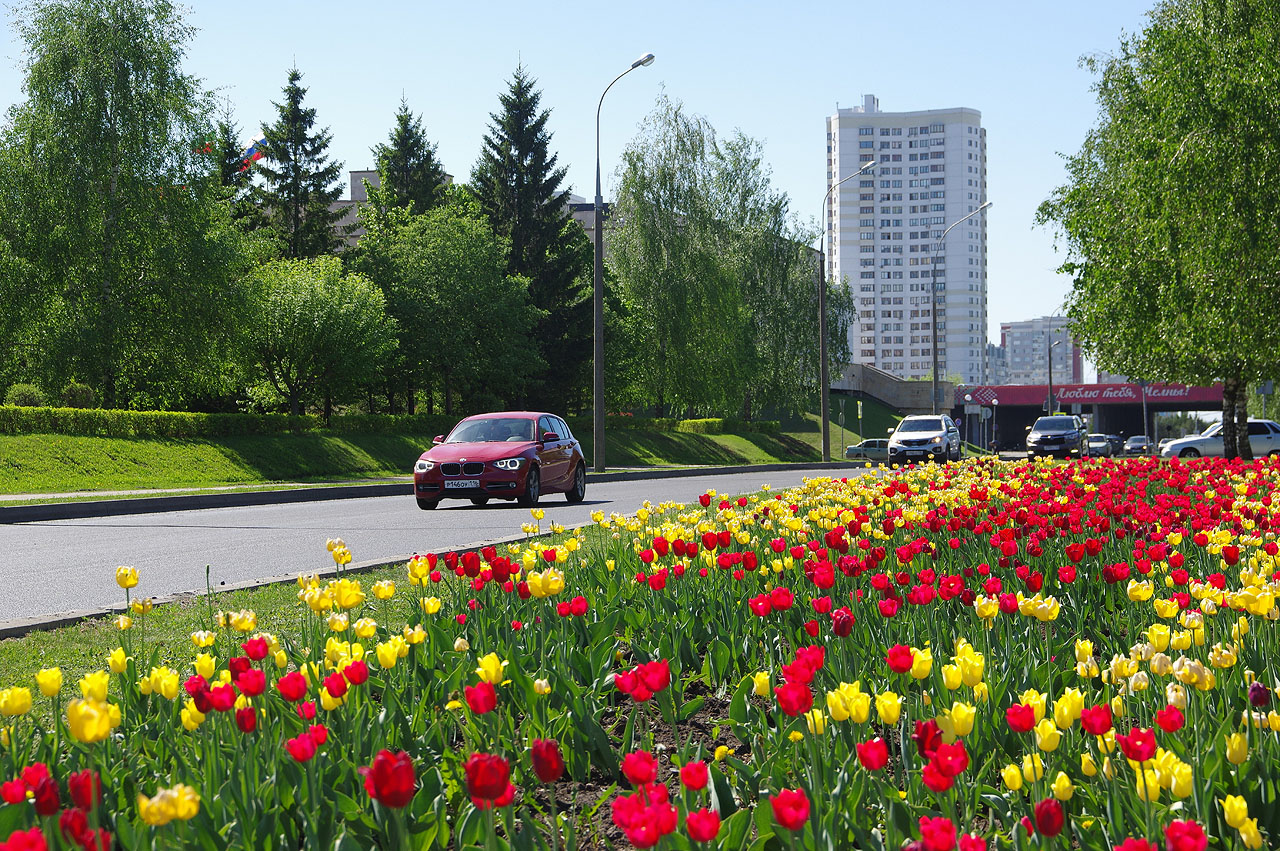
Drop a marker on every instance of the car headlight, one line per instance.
(938, 439)
(508, 463)
(423, 465)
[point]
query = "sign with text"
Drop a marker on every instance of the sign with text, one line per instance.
(1090, 394)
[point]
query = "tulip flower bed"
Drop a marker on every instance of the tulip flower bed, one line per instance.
(969, 656)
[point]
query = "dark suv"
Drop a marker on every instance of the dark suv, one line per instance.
(1059, 436)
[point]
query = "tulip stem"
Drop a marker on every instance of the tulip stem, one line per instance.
(555, 822)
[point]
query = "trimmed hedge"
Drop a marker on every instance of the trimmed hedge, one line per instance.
(98, 422)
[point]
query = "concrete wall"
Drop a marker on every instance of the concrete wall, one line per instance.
(909, 397)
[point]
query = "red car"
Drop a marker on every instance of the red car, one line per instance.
(518, 455)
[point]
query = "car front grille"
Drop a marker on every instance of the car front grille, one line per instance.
(473, 468)
(451, 469)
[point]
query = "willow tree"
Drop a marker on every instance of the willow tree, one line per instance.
(1169, 215)
(716, 286)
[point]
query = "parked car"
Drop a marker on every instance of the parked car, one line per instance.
(1138, 444)
(1058, 436)
(1164, 441)
(517, 455)
(1100, 446)
(924, 438)
(1117, 444)
(1264, 439)
(876, 449)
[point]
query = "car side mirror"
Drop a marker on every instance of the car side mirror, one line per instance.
(548, 436)
(1028, 428)
(890, 430)
(439, 438)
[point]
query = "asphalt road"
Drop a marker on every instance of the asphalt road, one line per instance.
(69, 565)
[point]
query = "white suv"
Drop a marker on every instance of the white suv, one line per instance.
(1264, 439)
(925, 438)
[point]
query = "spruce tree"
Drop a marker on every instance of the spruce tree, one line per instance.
(300, 184)
(230, 171)
(519, 189)
(409, 169)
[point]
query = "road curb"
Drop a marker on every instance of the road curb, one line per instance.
(194, 502)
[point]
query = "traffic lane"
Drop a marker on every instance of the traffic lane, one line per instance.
(69, 565)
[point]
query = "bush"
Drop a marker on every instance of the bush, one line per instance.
(726, 425)
(25, 396)
(77, 395)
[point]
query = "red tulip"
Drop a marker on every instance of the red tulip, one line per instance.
(252, 682)
(25, 840)
(1049, 817)
(1139, 745)
(356, 672)
(1020, 717)
(873, 755)
(73, 823)
(794, 698)
(237, 665)
(301, 748)
(927, 737)
(85, 788)
(548, 762)
(481, 697)
(952, 759)
(487, 776)
(703, 825)
(1096, 720)
(900, 658)
(292, 686)
(1185, 835)
(45, 796)
(938, 834)
(336, 684)
(790, 808)
(972, 842)
(1170, 719)
(318, 733)
(256, 649)
(656, 676)
(390, 780)
(935, 778)
(694, 775)
(223, 697)
(640, 767)
(1137, 845)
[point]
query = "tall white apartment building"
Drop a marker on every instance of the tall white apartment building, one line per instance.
(1026, 346)
(885, 228)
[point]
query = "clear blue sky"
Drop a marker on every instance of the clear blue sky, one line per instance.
(772, 70)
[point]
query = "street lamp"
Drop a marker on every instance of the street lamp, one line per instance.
(995, 406)
(1049, 349)
(823, 377)
(597, 422)
(933, 300)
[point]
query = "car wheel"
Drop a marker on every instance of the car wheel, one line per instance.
(427, 504)
(579, 491)
(1189, 453)
(532, 488)
(479, 500)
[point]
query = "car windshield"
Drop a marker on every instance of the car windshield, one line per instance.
(495, 430)
(927, 424)
(1213, 429)
(1137, 439)
(1054, 424)
(1097, 438)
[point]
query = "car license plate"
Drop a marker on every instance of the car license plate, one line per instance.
(461, 483)
(919, 452)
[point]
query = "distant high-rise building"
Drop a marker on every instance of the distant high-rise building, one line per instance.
(885, 227)
(1026, 345)
(997, 365)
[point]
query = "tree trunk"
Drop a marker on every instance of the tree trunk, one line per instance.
(746, 409)
(295, 402)
(448, 398)
(328, 406)
(1229, 446)
(410, 399)
(1242, 421)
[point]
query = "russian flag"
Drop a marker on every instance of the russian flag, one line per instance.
(253, 153)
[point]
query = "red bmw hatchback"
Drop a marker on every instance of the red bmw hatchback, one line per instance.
(516, 455)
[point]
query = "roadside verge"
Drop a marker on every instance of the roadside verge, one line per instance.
(240, 499)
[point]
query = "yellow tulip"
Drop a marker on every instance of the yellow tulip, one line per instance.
(1249, 834)
(1062, 787)
(89, 720)
(127, 577)
(204, 638)
(888, 707)
(1012, 777)
(50, 681)
(181, 803)
(347, 593)
(387, 655)
(117, 661)
(1158, 634)
(760, 684)
(461, 645)
(1047, 735)
(384, 589)
(542, 687)
(416, 635)
(1237, 748)
(205, 665)
(1084, 650)
(338, 622)
(951, 677)
(15, 701)
(430, 605)
(1067, 709)
(1036, 700)
(1181, 780)
(365, 627)
(1087, 766)
(192, 717)
(490, 669)
(328, 701)
(816, 721)
(923, 664)
(960, 718)
(1147, 785)
(1032, 767)
(94, 686)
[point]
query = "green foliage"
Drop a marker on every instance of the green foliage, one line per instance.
(721, 425)
(119, 423)
(718, 291)
(299, 181)
(1169, 214)
(77, 395)
(118, 264)
(315, 329)
(409, 170)
(445, 270)
(25, 396)
(518, 186)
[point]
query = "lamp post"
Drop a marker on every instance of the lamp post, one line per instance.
(597, 384)
(995, 406)
(933, 299)
(824, 379)
(1049, 349)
